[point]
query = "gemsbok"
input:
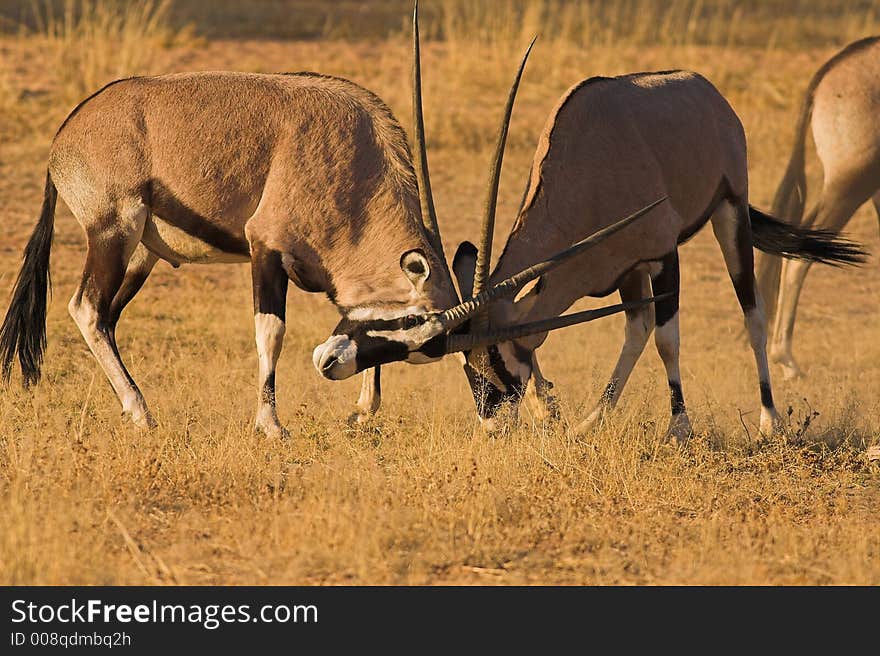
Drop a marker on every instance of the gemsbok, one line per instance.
(307, 177)
(611, 145)
(841, 106)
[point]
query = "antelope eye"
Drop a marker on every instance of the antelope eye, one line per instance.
(410, 321)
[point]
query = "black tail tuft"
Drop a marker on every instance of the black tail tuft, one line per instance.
(23, 333)
(794, 242)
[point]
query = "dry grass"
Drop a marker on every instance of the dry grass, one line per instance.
(93, 42)
(420, 496)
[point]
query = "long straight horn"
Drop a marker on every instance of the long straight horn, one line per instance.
(487, 230)
(455, 343)
(456, 316)
(426, 198)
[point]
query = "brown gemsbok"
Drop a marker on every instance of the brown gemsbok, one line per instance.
(609, 146)
(307, 177)
(841, 106)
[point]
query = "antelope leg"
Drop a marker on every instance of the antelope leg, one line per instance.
(270, 299)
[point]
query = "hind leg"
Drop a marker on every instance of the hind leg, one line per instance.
(139, 268)
(667, 339)
(832, 212)
(112, 240)
(639, 324)
(768, 271)
(732, 228)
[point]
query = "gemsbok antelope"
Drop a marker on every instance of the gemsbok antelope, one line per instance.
(307, 177)
(611, 145)
(841, 106)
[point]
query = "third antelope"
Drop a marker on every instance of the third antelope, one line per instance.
(841, 106)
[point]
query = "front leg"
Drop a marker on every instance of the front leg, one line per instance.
(270, 298)
(539, 396)
(371, 396)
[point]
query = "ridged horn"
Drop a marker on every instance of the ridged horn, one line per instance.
(487, 230)
(454, 317)
(426, 198)
(467, 342)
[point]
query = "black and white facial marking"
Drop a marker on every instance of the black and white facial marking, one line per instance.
(368, 337)
(373, 335)
(498, 375)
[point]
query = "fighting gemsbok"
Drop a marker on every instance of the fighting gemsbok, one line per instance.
(307, 177)
(611, 145)
(841, 105)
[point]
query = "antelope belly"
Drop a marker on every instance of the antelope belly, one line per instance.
(178, 246)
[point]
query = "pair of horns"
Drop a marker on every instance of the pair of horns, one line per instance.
(473, 307)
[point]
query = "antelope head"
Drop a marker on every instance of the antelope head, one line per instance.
(418, 335)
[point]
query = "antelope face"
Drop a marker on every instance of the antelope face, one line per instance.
(369, 336)
(414, 336)
(498, 376)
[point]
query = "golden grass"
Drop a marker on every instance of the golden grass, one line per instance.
(420, 496)
(93, 42)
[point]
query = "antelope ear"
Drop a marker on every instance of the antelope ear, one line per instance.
(415, 267)
(464, 266)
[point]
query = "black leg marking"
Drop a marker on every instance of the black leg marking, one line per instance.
(744, 281)
(268, 392)
(766, 395)
(608, 393)
(677, 397)
(269, 281)
(668, 280)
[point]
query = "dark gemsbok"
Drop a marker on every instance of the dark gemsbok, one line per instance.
(307, 177)
(841, 106)
(611, 145)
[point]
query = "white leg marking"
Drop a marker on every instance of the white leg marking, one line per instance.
(269, 338)
(370, 399)
(539, 398)
(636, 333)
(101, 345)
(754, 320)
(668, 340)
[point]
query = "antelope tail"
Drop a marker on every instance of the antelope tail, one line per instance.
(23, 333)
(789, 201)
(791, 196)
(795, 242)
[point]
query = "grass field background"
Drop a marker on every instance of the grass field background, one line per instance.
(421, 495)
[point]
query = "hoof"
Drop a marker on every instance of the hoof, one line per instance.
(545, 410)
(494, 426)
(593, 422)
(273, 431)
(359, 418)
(771, 424)
(140, 418)
(791, 371)
(679, 431)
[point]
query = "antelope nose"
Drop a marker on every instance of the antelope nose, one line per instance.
(335, 359)
(328, 363)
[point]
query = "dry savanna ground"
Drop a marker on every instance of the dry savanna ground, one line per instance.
(420, 495)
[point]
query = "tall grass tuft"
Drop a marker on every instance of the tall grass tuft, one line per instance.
(94, 42)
